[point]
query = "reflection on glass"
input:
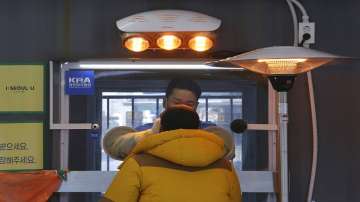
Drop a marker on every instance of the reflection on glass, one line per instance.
(161, 107)
(144, 111)
(237, 114)
(201, 109)
(221, 94)
(104, 115)
(237, 108)
(114, 164)
(220, 111)
(129, 94)
(120, 112)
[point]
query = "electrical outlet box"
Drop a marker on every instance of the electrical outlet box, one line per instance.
(307, 28)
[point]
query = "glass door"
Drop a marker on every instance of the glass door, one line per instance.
(136, 109)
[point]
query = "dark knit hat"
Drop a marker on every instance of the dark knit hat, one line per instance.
(179, 117)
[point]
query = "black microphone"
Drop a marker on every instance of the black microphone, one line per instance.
(238, 125)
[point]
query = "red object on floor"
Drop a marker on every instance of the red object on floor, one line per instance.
(34, 186)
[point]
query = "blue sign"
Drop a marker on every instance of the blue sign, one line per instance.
(79, 82)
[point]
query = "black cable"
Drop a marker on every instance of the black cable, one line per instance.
(305, 37)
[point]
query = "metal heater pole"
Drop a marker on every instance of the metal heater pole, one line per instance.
(283, 116)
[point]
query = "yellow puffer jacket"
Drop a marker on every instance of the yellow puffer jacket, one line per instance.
(184, 165)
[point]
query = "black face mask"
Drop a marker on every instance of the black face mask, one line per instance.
(179, 118)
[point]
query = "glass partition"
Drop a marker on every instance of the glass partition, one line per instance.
(133, 110)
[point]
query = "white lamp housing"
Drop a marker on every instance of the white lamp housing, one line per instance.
(168, 21)
(281, 60)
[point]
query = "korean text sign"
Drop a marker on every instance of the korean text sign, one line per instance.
(21, 146)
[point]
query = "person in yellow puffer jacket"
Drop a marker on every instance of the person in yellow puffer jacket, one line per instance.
(186, 165)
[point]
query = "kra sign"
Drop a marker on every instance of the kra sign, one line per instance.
(79, 82)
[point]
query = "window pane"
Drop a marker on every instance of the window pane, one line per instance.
(144, 111)
(161, 107)
(120, 114)
(201, 109)
(129, 94)
(237, 114)
(104, 116)
(237, 108)
(221, 94)
(219, 112)
(114, 164)
(104, 128)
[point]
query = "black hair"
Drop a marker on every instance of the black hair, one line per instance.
(186, 84)
(177, 118)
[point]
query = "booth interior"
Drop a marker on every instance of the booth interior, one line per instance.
(127, 97)
(64, 127)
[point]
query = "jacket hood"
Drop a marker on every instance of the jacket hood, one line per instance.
(187, 147)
